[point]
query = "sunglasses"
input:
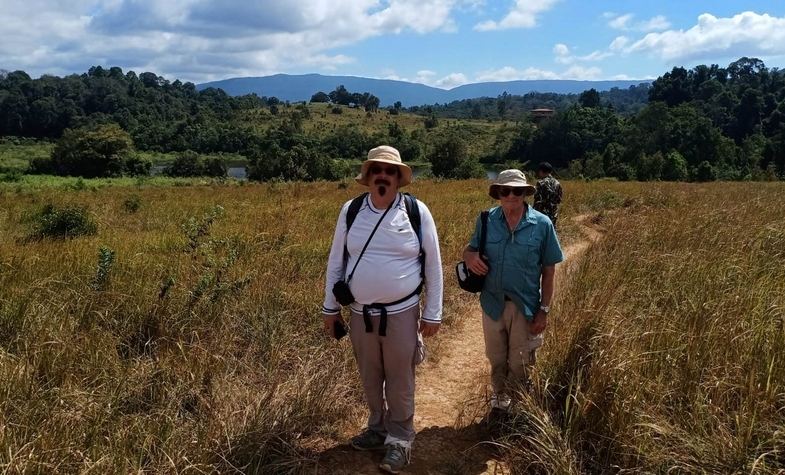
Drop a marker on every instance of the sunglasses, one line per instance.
(377, 170)
(506, 190)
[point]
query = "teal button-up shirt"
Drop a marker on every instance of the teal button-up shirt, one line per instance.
(516, 260)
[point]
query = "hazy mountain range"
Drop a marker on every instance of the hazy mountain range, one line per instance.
(301, 87)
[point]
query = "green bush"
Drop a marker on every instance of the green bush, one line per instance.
(92, 152)
(136, 165)
(132, 204)
(62, 222)
(215, 167)
(11, 176)
(447, 154)
(185, 164)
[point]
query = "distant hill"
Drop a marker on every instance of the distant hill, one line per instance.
(301, 87)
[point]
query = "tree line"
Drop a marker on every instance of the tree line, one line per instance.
(506, 106)
(705, 123)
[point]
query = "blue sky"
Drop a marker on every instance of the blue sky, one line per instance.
(443, 43)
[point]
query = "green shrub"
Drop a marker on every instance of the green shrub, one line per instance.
(215, 167)
(105, 262)
(11, 176)
(92, 152)
(136, 165)
(132, 204)
(62, 222)
(185, 164)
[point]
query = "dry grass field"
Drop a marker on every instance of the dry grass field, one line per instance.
(667, 350)
(192, 341)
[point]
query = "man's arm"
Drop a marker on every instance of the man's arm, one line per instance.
(547, 281)
(471, 255)
(331, 309)
(434, 280)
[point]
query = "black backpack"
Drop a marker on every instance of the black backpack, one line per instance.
(412, 209)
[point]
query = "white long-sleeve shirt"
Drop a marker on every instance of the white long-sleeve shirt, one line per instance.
(390, 267)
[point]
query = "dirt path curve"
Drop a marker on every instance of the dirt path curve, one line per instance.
(451, 400)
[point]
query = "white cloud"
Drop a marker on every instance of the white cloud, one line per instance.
(560, 49)
(204, 39)
(619, 43)
(745, 34)
(621, 22)
(452, 80)
(656, 23)
(509, 73)
(579, 72)
(522, 15)
(563, 55)
(624, 22)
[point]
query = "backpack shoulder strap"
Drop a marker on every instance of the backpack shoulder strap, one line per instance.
(483, 230)
(354, 208)
(413, 210)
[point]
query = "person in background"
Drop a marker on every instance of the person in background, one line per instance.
(548, 194)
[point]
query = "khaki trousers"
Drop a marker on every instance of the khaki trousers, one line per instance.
(510, 348)
(386, 365)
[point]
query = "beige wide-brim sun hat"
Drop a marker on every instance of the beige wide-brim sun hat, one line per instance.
(388, 155)
(512, 178)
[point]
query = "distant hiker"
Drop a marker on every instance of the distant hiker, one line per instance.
(548, 194)
(378, 268)
(521, 253)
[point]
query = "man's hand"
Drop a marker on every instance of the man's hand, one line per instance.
(329, 323)
(429, 329)
(539, 323)
(475, 263)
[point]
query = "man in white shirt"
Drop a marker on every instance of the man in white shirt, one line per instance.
(385, 275)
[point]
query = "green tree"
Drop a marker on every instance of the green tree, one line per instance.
(92, 152)
(447, 154)
(185, 164)
(589, 98)
(705, 172)
(593, 166)
(674, 167)
(320, 97)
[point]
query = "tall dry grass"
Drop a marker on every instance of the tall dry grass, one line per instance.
(665, 353)
(185, 335)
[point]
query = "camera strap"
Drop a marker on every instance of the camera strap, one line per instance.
(369, 239)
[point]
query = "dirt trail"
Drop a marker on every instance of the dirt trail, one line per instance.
(451, 400)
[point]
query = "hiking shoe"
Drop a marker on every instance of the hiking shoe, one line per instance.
(368, 440)
(396, 458)
(496, 420)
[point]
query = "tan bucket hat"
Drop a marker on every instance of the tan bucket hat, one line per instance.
(385, 154)
(512, 178)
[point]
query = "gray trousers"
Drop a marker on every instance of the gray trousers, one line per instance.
(386, 365)
(510, 348)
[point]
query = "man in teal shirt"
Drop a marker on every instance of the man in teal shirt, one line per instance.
(521, 253)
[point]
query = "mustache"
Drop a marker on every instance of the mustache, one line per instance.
(381, 181)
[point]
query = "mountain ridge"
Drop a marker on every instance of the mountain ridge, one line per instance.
(301, 87)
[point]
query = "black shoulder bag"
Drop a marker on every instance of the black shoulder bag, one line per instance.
(468, 280)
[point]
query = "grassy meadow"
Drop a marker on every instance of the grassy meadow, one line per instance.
(193, 340)
(183, 336)
(666, 353)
